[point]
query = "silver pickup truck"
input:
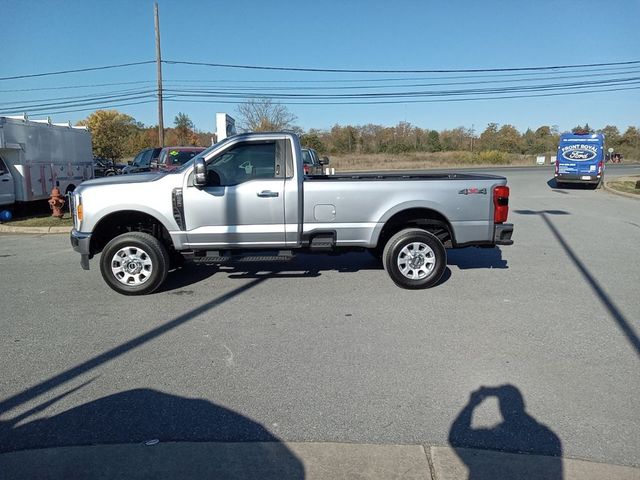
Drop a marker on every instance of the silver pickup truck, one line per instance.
(249, 194)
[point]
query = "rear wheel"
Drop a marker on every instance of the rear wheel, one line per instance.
(414, 258)
(134, 263)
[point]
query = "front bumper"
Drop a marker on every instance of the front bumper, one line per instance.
(81, 243)
(502, 234)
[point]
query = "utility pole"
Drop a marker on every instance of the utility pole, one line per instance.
(159, 69)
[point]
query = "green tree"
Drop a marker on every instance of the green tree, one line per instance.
(530, 144)
(630, 143)
(345, 139)
(457, 139)
(184, 129)
(263, 115)
(110, 132)
(312, 140)
(580, 130)
(433, 141)
(509, 139)
(611, 136)
(489, 138)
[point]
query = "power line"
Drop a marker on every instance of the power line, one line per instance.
(611, 70)
(88, 102)
(440, 100)
(99, 107)
(418, 93)
(89, 69)
(68, 87)
(131, 94)
(344, 70)
(365, 87)
(98, 95)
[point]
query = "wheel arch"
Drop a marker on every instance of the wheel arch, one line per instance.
(124, 221)
(423, 217)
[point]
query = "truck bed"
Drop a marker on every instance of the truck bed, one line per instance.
(401, 176)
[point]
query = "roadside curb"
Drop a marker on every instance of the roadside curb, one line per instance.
(296, 460)
(40, 230)
(617, 192)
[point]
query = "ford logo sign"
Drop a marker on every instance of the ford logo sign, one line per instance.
(579, 155)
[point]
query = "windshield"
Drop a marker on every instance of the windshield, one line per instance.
(306, 157)
(139, 160)
(178, 157)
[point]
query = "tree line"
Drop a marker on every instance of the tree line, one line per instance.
(407, 138)
(117, 135)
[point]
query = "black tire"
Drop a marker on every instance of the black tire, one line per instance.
(147, 267)
(430, 258)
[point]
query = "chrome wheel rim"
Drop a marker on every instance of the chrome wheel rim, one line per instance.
(416, 260)
(131, 266)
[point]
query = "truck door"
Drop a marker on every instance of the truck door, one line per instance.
(7, 189)
(243, 202)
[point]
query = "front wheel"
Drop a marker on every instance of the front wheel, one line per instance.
(414, 258)
(134, 263)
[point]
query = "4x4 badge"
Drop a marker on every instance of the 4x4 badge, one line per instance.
(473, 191)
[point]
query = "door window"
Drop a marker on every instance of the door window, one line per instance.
(243, 162)
(3, 167)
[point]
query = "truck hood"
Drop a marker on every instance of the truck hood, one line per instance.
(122, 179)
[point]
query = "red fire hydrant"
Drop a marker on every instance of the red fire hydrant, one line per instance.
(56, 202)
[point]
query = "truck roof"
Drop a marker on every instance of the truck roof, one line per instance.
(590, 137)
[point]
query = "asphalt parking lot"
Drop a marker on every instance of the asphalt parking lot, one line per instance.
(327, 348)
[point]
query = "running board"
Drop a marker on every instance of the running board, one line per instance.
(216, 256)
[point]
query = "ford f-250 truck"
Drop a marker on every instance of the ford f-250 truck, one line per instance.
(248, 193)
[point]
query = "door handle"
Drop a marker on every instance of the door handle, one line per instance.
(267, 194)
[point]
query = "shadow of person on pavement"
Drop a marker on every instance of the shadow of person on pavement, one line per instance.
(144, 415)
(517, 433)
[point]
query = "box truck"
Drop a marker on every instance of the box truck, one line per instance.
(36, 155)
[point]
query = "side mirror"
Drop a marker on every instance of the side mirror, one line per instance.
(199, 173)
(324, 161)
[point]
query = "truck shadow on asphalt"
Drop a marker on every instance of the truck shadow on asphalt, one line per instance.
(145, 415)
(312, 266)
(476, 258)
(518, 432)
(553, 185)
(597, 289)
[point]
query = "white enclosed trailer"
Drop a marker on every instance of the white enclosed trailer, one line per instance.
(36, 155)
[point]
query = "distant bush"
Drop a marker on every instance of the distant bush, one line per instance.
(492, 157)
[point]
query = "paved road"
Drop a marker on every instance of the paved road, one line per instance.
(328, 349)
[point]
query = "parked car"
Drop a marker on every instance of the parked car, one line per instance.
(312, 163)
(171, 158)
(106, 168)
(142, 161)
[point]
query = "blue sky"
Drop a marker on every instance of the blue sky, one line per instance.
(43, 36)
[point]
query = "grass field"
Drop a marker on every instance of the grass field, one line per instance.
(42, 221)
(424, 160)
(625, 184)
